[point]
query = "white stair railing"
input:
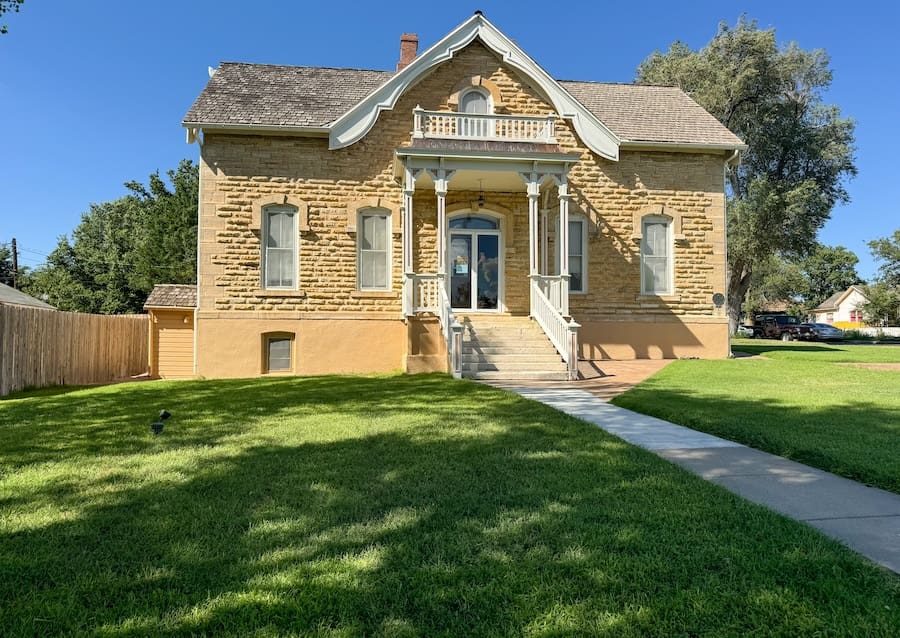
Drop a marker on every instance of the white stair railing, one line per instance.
(562, 332)
(453, 333)
(556, 289)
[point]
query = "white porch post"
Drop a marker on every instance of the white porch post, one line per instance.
(534, 193)
(441, 179)
(563, 240)
(545, 236)
(409, 188)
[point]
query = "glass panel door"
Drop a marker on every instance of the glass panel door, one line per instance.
(487, 280)
(460, 271)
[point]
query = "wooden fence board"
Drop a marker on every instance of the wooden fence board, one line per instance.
(40, 348)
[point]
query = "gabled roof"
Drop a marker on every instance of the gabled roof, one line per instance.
(11, 296)
(354, 124)
(837, 299)
(172, 296)
(345, 103)
(281, 96)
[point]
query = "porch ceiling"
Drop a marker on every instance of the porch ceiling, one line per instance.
(473, 180)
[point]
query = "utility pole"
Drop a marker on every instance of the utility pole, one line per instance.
(15, 265)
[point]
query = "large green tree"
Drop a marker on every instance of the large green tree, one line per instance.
(123, 247)
(800, 150)
(886, 250)
(827, 270)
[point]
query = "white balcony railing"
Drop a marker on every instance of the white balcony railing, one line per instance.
(471, 126)
(562, 332)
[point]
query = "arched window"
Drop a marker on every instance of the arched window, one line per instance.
(475, 101)
(475, 222)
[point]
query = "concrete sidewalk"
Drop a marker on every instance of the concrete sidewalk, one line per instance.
(866, 519)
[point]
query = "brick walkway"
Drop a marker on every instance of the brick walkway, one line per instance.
(603, 379)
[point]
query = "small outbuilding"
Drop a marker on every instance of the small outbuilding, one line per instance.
(12, 297)
(171, 308)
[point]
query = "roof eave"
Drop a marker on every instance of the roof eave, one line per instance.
(194, 128)
(636, 145)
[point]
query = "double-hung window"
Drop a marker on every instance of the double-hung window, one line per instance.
(578, 252)
(280, 247)
(374, 246)
(656, 256)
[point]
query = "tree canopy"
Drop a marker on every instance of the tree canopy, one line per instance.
(800, 150)
(123, 247)
(9, 6)
(886, 251)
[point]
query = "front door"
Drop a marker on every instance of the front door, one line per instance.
(474, 268)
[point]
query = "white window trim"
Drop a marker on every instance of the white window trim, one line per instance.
(266, 213)
(574, 217)
(389, 249)
(670, 256)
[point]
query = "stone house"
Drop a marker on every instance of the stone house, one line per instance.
(464, 213)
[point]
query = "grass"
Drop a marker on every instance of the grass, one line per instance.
(795, 401)
(386, 506)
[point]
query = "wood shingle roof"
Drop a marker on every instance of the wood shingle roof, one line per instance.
(303, 97)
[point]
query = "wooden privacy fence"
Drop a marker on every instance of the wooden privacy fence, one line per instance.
(40, 348)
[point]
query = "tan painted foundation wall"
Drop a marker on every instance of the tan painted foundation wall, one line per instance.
(669, 338)
(233, 347)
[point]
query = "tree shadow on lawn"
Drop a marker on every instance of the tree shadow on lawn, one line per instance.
(116, 419)
(511, 520)
(761, 347)
(856, 439)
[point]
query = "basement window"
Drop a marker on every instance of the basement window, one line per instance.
(278, 350)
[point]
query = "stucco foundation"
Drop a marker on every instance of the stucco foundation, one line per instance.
(665, 338)
(232, 347)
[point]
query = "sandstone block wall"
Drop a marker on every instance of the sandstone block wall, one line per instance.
(237, 170)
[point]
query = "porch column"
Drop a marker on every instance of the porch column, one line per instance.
(441, 179)
(563, 239)
(534, 193)
(409, 188)
(545, 235)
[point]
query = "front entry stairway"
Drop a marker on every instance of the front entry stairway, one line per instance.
(507, 347)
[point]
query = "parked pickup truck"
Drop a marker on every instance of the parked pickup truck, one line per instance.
(784, 327)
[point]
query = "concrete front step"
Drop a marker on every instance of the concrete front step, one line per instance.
(520, 375)
(537, 360)
(513, 367)
(525, 350)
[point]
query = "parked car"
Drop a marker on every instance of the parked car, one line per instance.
(784, 327)
(821, 332)
(745, 332)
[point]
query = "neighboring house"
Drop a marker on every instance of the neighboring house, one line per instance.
(360, 221)
(171, 349)
(13, 297)
(842, 309)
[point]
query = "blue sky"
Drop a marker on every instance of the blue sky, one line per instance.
(92, 93)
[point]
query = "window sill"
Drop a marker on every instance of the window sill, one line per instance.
(274, 292)
(374, 294)
(658, 298)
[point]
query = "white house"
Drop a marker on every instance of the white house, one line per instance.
(842, 309)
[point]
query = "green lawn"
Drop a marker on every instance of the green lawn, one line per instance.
(387, 506)
(797, 401)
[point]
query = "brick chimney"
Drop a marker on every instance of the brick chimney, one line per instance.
(409, 46)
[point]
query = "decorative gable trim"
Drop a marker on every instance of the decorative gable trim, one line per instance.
(358, 121)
